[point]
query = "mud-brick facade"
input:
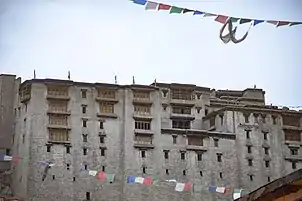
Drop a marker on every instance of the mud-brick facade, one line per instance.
(164, 131)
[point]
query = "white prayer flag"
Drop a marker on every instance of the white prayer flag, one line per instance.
(92, 172)
(171, 180)
(139, 180)
(179, 187)
(8, 158)
(220, 189)
(237, 193)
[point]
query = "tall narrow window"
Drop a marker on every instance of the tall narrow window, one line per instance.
(199, 156)
(166, 154)
(85, 138)
(267, 164)
(219, 157)
(266, 150)
(249, 149)
(184, 172)
(84, 109)
(216, 142)
(68, 149)
(84, 151)
(200, 173)
(143, 154)
(87, 196)
(84, 93)
(247, 133)
(167, 171)
(294, 151)
(103, 152)
(182, 155)
(144, 170)
(174, 139)
(7, 152)
(268, 179)
(294, 165)
(250, 162)
(103, 168)
(84, 123)
(264, 135)
(102, 139)
(251, 177)
(220, 175)
(48, 148)
(101, 125)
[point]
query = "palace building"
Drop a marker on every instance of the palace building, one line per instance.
(181, 132)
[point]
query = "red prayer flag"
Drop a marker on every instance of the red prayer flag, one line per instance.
(282, 23)
(188, 186)
(16, 159)
(102, 176)
(164, 7)
(147, 181)
(228, 191)
(221, 18)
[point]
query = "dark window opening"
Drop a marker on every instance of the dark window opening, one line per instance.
(68, 149)
(265, 135)
(251, 177)
(266, 151)
(48, 148)
(87, 196)
(206, 111)
(174, 139)
(181, 124)
(86, 167)
(267, 164)
(199, 156)
(200, 173)
(166, 154)
(184, 172)
(103, 152)
(247, 133)
(182, 155)
(294, 165)
(103, 168)
(246, 118)
(143, 154)
(84, 122)
(68, 166)
(101, 125)
(268, 179)
(144, 170)
(249, 149)
(84, 109)
(53, 177)
(294, 151)
(216, 142)
(84, 93)
(74, 178)
(102, 139)
(220, 175)
(7, 152)
(167, 172)
(85, 137)
(250, 162)
(84, 151)
(219, 157)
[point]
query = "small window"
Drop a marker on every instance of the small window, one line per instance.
(216, 142)
(219, 157)
(274, 120)
(247, 133)
(86, 167)
(166, 154)
(103, 168)
(182, 155)
(184, 172)
(246, 118)
(68, 149)
(199, 156)
(68, 166)
(101, 125)
(267, 164)
(143, 154)
(48, 148)
(53, 177)
(164, 107)
(103, 152)
(198, 110)
(206, 111)
(84, 93)
(102, 139)
(85, 138)
(266, 150)
(74, 178)
(294, 151)
(7, 152)
(220, 175)
(201, 173)
(251, 177)
(167, 171)
(84, 109)
(84, 151)
(265, 135)
(250, 162)
(294, 165)
(268, 179)
(144, 170)
(174, 139)
(87, 196)
(249, 149)
(165, 93)
(84, 123)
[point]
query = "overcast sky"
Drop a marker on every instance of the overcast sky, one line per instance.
(98, 39)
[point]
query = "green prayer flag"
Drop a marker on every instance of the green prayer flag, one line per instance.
(110, 177)
(175, 9)
(155, 182)
(234, 19)
(243, 21)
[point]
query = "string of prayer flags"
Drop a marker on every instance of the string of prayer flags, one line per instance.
(14, 159)
(104, 176)
(180, 187)
(150, 5)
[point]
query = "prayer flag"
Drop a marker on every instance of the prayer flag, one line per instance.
(130, 179)
(221, 18)
(282, 23)
(237, 193)
(147, 181)
(92, 172)
(212, 188)
(102, 176)
(110, 177)
(139, 180)
(175, 9)
(179, 187)
(220, 189)
(164, 7)
(258, 22)
(151, 5)
(185, 10)
(295, 23)
(140, 2)
(196, 12)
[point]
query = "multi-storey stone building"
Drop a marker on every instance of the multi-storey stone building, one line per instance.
(164, 131)
(9, 86)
